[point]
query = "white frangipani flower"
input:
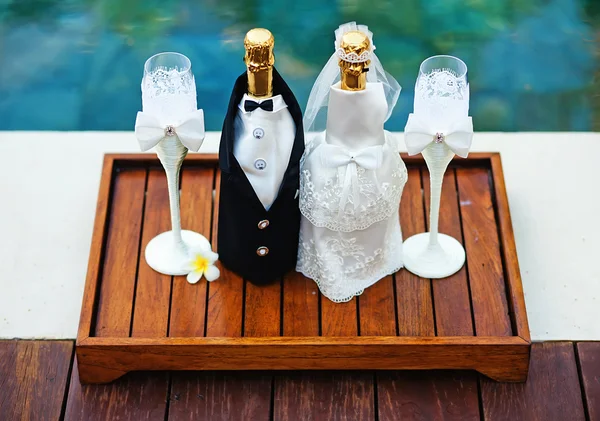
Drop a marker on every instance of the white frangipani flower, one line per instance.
(201, 262)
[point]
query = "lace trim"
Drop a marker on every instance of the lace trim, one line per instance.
(353, 57)
(345, 263)
(168, 94)
(376, 203)
(163, 81)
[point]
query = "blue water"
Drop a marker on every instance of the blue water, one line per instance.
(77, 65)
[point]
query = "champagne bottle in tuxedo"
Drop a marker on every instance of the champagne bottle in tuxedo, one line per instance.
(261, 145)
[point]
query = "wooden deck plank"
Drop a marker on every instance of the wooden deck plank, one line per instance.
(428, 395)
(589, 361)
(552, 391)
(188, 304)
(452, 303)
(33, 383)
(221, 397)
(486, 273)
(33, 379)
(121, 256)
(153, 290)
(414, 303)
(300, 305)
(226, 294)
(134, 397)
(321, 396)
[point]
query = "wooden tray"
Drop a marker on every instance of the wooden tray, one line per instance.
(136, 319)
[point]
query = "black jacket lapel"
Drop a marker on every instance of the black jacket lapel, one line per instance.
(227, 161)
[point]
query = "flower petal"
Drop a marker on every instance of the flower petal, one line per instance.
(194, 277)
(212, 273)
(211, 256)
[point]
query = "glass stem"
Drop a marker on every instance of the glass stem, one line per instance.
(437, 157)
(171, 153)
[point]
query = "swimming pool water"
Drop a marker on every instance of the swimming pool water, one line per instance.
(77, 65)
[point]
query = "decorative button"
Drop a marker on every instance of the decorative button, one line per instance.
(263, 224)
(262, 251)
(258, 133)
(170, 131)
(260, 164)
(439, 137)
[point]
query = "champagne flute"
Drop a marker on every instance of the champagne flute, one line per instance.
(439, 127)
(169, 112)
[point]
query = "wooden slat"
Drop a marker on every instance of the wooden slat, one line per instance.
(263, 310)
(33, 379)
(324, 396)
(338, 319)
(226, 294)
(486, 274)
(589, 361)
(429, 395)
(221, 397)
(300, 305)
(452, 304)
(153, 290)
(93, 277)
(552, 391)
(137, 396)
(509, 251)
(188, 304)
(414, 303)
(121, 256)
(377, 312)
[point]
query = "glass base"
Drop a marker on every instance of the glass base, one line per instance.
(164, 256)
(434, 262)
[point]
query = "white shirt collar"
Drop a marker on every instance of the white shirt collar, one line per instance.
(278, 103)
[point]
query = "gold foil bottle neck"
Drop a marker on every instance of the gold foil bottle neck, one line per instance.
(353, 75)
(259, 59)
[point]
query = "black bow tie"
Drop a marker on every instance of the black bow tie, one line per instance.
(250, 106)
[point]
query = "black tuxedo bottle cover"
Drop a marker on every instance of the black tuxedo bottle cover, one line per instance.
(261, 145)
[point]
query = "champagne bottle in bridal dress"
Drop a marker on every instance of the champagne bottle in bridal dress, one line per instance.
(352, 175)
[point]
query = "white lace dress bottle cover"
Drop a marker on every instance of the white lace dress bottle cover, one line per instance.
(351, 182)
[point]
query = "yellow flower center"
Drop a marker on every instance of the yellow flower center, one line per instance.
(200, 264)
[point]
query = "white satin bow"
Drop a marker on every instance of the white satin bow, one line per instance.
(369, 158)
(418, 134)
(149, 130)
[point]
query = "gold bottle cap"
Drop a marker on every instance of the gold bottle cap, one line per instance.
(259, 45)
(355, 42)
(354, 78)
